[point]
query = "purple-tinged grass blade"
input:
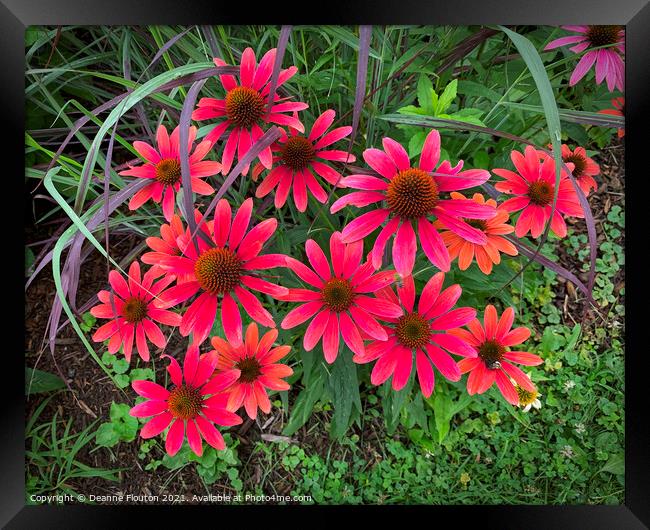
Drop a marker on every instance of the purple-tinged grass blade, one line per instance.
(213, 43)
(116, 200)
(558, 269)
(262, 143)
(365, 35)
(126, 68)
(285, 32)
(465, 47)
(186, 180)
(162, 51)
(184, 80)
(107, 185)
(190, 78)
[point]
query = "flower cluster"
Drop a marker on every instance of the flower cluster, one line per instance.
(220, 265)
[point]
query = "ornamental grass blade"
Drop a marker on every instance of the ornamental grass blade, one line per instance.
(285, 32)
(183, 80)
(365, 36)
(184, 147)
(538, 71)
(262, 143)
(213, 43)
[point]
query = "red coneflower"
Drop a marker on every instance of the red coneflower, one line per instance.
(222, 269)
(340, 302)
(412, 195)
(132, 312)
(418, 332)
(167, 244)
(584, 167)
(296, 155)
(255, 368)
(488, 253)
(163, 167)
(191, 407)
(609, 61)
(244, 107)
(493, 360)
(534, 189)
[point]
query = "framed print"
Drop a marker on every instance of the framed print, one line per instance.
(381, 258)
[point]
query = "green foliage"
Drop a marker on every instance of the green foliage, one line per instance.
(122, 427)
(430, 104)
(450, 447)
(123, 374)
(88, 322)
(212, 465)
(54, 456)
(37, 381)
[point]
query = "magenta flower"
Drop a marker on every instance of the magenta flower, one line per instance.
(222, 271)
(191, 408)
(533, 187)
(295, 158)
(244, 107)
(131, 309)
(163, 167)
(609, 61)
(340, 302)
(413, 195)
(421, 334)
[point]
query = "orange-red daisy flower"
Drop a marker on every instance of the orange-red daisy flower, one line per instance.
(295, 158)
(584, 167)
(221, 270)
(416, 332)
(255, 369)
(493, 360)
(534, 188)
(132, 313)
(244, 107)
(340, 302)
(494, 229)
(192, 407)
(168, 244)
(163, 167)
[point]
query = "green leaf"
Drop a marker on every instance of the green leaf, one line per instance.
(106, 435)
(37, 381)
(447, 97)
(87, 322)
(394, 401)
(416, 143)
(140, 374)
(344, 387)
(472, 88)
(29, 260)
(412, 109)
(441, 414)
(120, 366)
(615, 465)
(425, 91)
(305, 402)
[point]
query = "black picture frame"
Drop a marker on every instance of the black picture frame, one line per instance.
(17, 15)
